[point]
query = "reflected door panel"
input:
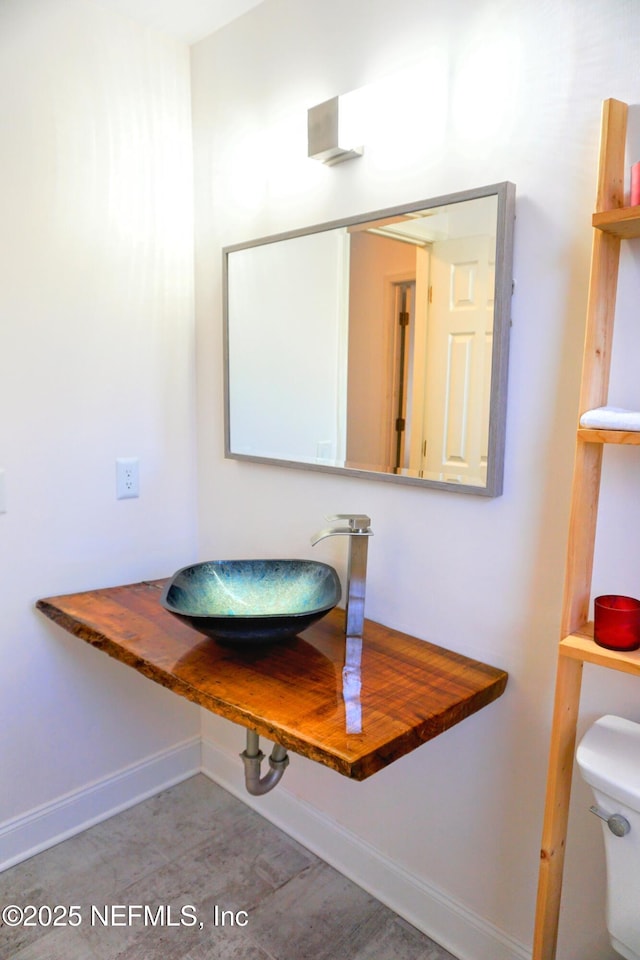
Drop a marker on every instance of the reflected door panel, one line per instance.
(459, 355)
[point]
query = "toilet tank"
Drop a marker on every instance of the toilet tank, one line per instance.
(609, 760)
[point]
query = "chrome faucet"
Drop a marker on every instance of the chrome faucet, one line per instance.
(357, 527)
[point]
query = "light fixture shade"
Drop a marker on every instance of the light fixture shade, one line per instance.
(323, 129)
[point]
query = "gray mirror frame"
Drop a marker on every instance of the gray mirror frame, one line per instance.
(505, 193)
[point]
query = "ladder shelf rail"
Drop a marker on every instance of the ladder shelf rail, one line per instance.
(612, 222)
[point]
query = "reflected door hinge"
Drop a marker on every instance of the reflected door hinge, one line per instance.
(424, 448)
(403, 318)
(400, 423)
(430, 294)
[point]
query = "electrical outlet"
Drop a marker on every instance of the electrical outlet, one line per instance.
(127, 478)
(323, 449)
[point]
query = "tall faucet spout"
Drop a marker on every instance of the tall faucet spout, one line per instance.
(356, 577)
(329, 532)
(358, 529)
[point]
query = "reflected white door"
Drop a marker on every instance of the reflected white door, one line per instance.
(458, 371)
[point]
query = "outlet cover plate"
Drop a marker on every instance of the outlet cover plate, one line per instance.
(127, 478)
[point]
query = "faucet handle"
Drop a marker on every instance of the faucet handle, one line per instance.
(358, 522)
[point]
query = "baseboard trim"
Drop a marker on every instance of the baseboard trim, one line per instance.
(51, 823)
(448, 922)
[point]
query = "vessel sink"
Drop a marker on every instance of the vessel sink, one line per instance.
(252, 601)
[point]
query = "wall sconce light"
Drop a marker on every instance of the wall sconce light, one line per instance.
(325, 138)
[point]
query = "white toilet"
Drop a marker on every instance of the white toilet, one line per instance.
(609, 760)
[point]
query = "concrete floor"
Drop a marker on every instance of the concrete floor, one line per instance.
(219, 881)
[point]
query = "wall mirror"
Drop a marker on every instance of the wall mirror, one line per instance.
(376, 346)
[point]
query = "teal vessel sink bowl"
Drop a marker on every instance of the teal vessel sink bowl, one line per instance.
(252, 601)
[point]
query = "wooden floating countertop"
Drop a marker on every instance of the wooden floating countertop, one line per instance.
(290, 692)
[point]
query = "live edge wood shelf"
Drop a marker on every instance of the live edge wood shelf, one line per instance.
(290, 692)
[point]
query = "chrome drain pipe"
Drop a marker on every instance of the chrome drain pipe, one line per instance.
(252, 757)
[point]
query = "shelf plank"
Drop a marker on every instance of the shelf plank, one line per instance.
(623, 222)
(582, 646)
(290, 692)
(592, 435)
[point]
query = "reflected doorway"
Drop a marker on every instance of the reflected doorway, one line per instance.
(403, 325)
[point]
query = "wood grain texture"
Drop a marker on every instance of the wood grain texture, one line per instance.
(624, 223)
(581, 646)
(552, 850)
(613, 136)
(290, 692)
(582, 530)
(583, 519)
(594, 435)
(605, 257)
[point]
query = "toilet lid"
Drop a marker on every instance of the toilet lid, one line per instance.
(609, 759)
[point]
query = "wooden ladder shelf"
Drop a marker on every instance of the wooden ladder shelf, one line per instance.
(612, 222)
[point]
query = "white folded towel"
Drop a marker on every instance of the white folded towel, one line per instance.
(611, 418)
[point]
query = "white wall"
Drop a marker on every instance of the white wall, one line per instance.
(96, 362)
(471, 92)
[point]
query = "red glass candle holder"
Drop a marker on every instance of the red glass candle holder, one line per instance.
(634, 199)
(617, 622)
